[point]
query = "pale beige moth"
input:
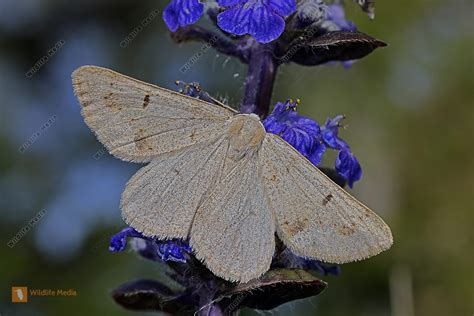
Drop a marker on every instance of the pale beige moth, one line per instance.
(216, 178)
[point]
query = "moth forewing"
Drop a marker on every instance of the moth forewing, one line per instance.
(138, 121)
(316, 218)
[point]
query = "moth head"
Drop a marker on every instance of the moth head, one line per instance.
(246, 131)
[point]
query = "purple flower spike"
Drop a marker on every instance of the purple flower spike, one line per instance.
(180, 13)
(262, 19)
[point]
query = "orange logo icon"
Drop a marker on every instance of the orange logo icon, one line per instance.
(19, 294)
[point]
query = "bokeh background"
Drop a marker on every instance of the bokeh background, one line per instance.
(410, 113)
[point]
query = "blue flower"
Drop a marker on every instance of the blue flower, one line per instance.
(173, 250)
(330, 132)
(348, 166)
(311, 140)
(118, 242)
(346, 163)
(262, 19)
(180, 13)
(167, 250)
(300, 132)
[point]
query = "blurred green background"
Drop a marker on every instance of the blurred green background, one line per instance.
(410, 113)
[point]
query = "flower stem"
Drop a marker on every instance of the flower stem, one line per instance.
(260, 79)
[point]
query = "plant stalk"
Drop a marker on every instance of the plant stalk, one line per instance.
(260, 79)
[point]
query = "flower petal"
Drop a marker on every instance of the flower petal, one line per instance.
(283, 7)
(265, 25)
(230, 3)
(235, 20)
(167, 250)
(330, 132)
(118, 242)
(317, 153)
(190, 11)
(173, 250)
(181, 13)
(170, 17)
(348, 166)
(262, 19)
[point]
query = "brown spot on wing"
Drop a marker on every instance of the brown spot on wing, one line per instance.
(327, 199)
(146, 100)
(193, 135)
(346, 230)
(295, 227)
(110, 103)
(86, 103)
(141, 140)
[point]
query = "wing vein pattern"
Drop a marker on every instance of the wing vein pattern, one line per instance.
(233, 230)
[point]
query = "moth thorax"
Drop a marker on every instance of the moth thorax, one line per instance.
(246, 134)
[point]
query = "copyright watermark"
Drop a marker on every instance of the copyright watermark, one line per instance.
(25, 229)
(44, 60)
(137, 30)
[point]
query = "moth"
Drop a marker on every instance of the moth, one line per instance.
(216, 178)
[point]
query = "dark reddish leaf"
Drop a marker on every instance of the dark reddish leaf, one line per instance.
(276, 287)
(145, 295)
(334, 46)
